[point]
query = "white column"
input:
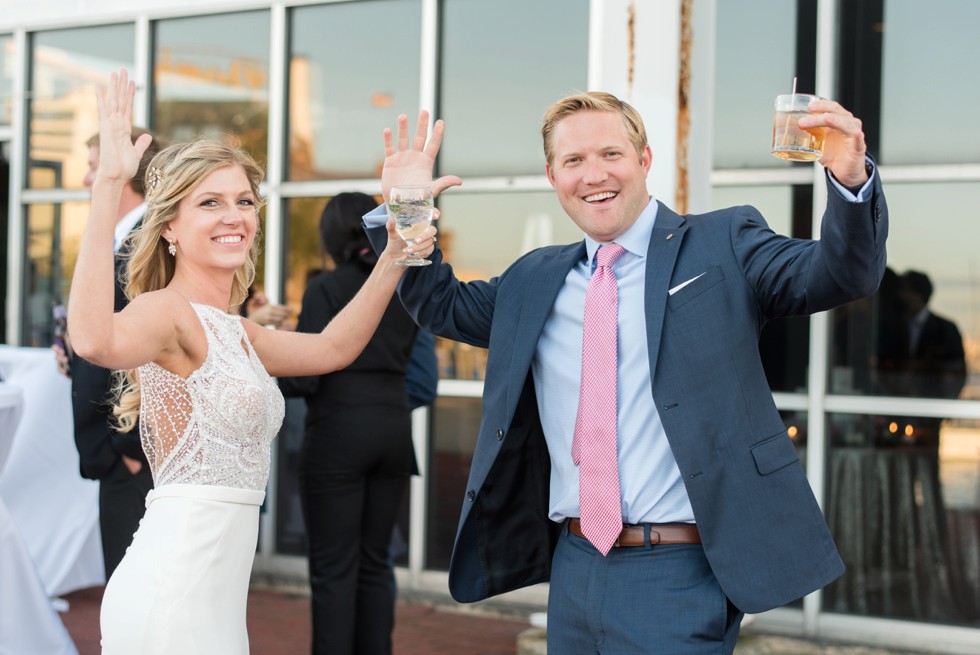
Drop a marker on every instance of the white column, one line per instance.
(633, 54)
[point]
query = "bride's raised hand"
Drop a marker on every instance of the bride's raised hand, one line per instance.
(119, 157)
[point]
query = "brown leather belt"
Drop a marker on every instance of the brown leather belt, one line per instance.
(660, 533)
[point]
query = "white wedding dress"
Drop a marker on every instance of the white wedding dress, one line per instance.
(182, 587)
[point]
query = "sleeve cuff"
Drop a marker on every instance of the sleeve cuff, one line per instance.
(851, 194)
(377, 217)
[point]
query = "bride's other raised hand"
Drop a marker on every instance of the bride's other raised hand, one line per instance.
(119, 157)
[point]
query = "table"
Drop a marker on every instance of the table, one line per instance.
(28, 622)
(56, 511)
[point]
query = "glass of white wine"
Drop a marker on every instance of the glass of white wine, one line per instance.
(412, 209)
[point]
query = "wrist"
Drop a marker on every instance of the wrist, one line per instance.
(109, 183)
(858, 183)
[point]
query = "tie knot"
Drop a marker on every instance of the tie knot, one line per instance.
(608, 254)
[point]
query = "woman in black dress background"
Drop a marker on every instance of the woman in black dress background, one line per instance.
(357, 451)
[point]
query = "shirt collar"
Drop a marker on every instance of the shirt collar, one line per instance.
(126, 225)
(635, 240)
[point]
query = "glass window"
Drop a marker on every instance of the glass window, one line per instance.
(904, 505)
(494, 229)
(918, 336)
(66, 65)
(927, 56)
(6, 78)
(212, 79)
(503, 64)
(54, 234)
(353, 67)
(784, 344)
(454, 433)
(758, 53)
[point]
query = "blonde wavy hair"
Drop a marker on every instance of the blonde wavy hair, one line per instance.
(172, 175)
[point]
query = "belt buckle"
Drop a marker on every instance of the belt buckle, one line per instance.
(654, 537)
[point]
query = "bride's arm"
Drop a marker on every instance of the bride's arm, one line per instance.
(139, 333)
(339, 344)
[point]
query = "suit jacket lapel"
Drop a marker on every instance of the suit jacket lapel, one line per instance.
(542, 290)
(665, 244)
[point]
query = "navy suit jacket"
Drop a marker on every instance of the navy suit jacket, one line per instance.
(763, 533)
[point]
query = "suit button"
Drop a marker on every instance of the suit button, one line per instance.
(471, 495)
(500, 435)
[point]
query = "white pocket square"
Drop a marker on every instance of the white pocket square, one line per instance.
(683, 284)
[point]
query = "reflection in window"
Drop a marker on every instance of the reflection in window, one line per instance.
(6, 78)
(761, 45)
(784, 344)
(919, 336)
(503, 64)
(927, 46)
(212, 79)
(454, 434)
(904, 508)
(353, 67)
(54, 233)
(483, 233)
(66, 65)
(304, 255)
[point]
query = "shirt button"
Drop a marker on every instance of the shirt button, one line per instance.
(500, 435)
(471, 495)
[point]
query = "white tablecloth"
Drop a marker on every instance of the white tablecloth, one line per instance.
(56, 511)
(28, 622)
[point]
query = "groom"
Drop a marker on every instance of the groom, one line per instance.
(710, 513)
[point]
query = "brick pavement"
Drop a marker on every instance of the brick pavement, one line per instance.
(279, 624)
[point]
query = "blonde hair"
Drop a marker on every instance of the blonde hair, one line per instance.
(172, 175)
(592, 101)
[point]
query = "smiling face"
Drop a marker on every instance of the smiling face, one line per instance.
(216, 222)
(598, 174)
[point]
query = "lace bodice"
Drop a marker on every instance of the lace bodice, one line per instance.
(215, 427)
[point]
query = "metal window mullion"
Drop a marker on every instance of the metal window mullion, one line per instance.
(17, 212)
(274, 229)
(826, 61)
(419, 501)
(141, 71)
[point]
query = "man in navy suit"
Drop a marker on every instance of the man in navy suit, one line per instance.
(718, 517)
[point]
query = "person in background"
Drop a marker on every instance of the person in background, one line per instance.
(114, 459)
(357, 452)
(629, 449)
(258, 308)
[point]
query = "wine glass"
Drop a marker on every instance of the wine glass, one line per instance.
(412, 208)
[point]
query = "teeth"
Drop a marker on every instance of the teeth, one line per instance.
(233, 239)
(599, 196)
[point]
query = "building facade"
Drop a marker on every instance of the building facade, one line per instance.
(882, 397)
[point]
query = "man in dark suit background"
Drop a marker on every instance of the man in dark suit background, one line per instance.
(715, 515)
(115, 459)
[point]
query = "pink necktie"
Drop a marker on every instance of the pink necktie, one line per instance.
(594, 441)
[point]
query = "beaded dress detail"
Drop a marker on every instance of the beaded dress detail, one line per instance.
(215, 427)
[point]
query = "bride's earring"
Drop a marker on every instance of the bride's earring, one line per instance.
(172, 248)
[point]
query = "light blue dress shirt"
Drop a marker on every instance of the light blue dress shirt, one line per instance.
(650, 482)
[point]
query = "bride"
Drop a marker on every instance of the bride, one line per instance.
(198, 377)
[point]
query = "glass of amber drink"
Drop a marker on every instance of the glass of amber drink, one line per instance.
(789, 140)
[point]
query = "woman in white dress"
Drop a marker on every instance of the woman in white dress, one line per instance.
(198, 377)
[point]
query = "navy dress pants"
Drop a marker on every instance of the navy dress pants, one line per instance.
(658, 600)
